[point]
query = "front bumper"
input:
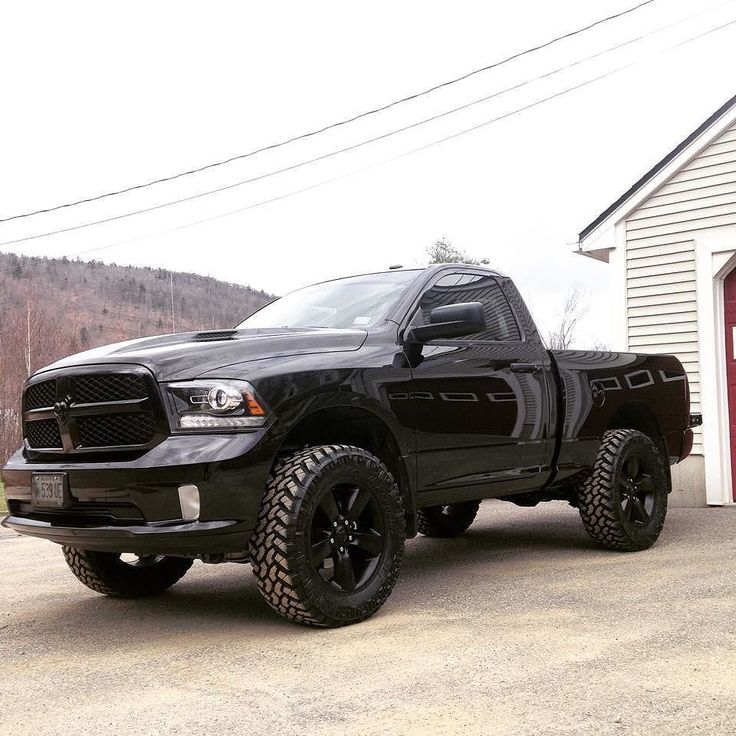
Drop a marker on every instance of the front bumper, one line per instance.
(193, 538)
(133, 505)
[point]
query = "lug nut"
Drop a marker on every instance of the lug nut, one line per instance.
(334, 523)
(332, 540)
(350, 538)
(342, 549)
(347, 522)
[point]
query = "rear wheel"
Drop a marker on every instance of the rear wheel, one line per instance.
(330, 536)
(450, 520)
(125, 576)
(623, 502)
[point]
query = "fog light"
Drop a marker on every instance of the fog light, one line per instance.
(189, 502)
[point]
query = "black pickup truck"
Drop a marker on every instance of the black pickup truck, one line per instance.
(330, 426)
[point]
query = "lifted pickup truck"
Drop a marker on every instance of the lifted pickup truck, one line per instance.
(330, 426)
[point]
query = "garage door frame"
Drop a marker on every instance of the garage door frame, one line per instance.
(715, 259)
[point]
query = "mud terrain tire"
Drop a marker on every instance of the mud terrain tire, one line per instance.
(330, 536)
(107, 573)
(623, 502)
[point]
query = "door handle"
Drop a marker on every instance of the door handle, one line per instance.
(525, 367)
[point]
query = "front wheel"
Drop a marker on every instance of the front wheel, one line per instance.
(330, 536)
(125, 576)
(623, 502)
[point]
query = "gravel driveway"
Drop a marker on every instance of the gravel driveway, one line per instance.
(519, 627)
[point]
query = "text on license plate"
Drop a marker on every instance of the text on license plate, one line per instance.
(47, 489)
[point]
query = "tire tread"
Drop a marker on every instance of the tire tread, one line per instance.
(597, 504)
(431, 523)
(272, 545)
(97, 570)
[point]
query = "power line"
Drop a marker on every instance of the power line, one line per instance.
(331, 126)
(400, 156)
(360, 144)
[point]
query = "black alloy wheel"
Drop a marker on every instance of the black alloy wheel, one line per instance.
(347, 536)
(636, 486)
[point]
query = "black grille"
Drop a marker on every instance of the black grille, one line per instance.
(43, 434)
(57, 414)
(108, 430)
(41, 395)
(103, 387)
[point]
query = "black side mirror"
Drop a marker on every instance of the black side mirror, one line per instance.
(453, 320)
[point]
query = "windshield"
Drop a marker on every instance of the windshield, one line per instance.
(360, 301)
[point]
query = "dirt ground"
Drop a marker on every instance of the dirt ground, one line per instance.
(519, 627)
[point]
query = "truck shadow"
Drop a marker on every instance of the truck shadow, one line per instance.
(224, 600)
(218, 594)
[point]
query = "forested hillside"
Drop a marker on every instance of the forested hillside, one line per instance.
(50, 308)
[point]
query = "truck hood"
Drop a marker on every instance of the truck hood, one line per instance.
(189, 355)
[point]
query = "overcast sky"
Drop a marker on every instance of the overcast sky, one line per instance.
(99, 96)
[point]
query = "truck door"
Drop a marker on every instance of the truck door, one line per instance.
(481, 404)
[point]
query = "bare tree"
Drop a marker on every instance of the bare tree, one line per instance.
(51, 308)
(443, 251)
(573, 311)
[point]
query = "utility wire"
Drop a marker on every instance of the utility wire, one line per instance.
(400, 156)
(360, 144)
(331, 126)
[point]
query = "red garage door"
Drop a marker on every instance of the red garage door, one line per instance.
(729, 302)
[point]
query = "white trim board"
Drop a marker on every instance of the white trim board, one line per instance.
(602, 237)
(715, 258)
(619, 310)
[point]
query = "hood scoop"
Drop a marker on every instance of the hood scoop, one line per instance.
(215, 335)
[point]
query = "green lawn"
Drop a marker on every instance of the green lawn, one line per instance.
(3, 505)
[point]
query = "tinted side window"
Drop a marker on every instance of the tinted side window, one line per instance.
(467, 287)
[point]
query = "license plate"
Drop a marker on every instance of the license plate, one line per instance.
(48, 490)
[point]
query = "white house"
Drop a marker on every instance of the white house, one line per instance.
(670, 241)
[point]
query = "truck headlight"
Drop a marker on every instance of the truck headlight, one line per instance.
(203, 405)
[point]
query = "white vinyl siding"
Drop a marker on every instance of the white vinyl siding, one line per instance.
(662, 314)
